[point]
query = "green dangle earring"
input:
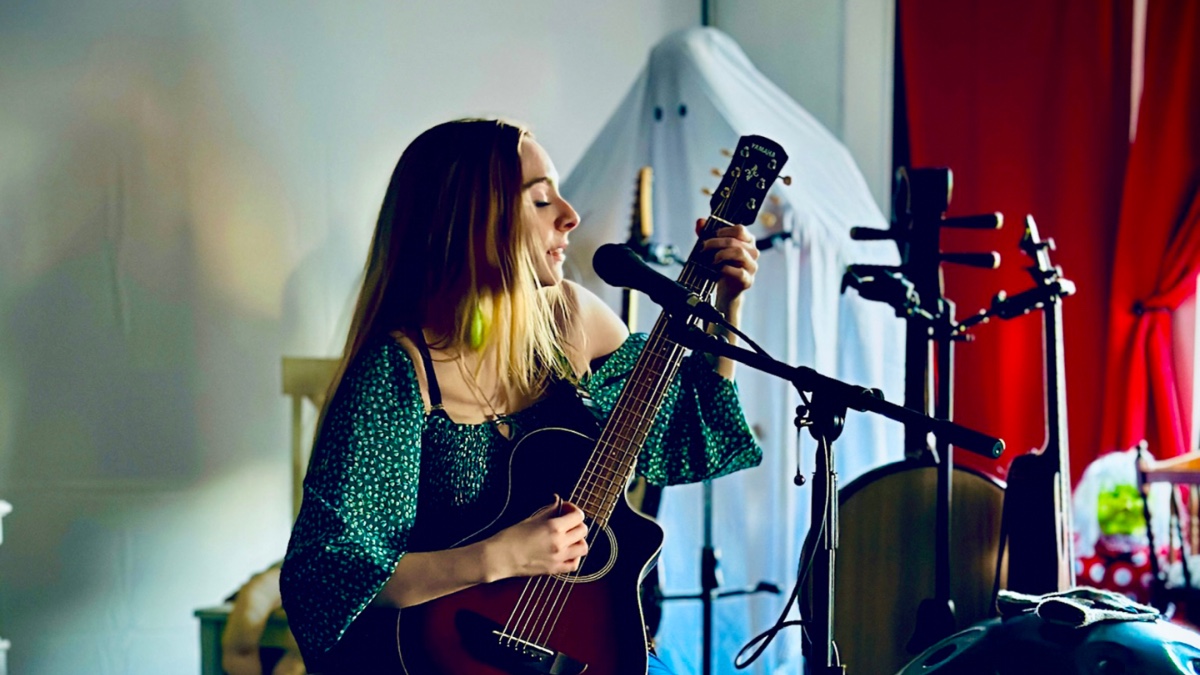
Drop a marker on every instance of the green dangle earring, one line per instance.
(479, 328)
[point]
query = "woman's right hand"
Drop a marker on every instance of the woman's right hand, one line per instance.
(551, 541)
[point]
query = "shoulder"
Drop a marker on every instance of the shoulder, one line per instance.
(383, 367)
(383, 355)
(601, 329)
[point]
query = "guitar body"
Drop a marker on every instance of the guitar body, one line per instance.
(600, 624)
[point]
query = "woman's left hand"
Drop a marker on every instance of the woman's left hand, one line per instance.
(736, 257)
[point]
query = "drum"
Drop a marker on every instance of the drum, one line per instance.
(1027, 645)
(885, 558)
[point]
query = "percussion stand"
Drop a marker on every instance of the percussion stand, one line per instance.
(825, 413)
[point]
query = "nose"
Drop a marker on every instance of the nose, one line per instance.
(568, 217)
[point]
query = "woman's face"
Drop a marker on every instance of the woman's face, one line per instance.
(546, 213)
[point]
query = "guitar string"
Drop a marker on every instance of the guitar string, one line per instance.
(558, 604)
(665, 380)
(517, 625)
(592, 477)
(534, 599)
(560, 588)
(535, 591)
(547, 584)
(688, 277)
(543, 585)
(595, 475)
(666, 376)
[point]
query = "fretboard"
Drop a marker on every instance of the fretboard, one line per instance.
(615, 457)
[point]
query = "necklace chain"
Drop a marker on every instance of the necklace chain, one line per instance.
(476, 389)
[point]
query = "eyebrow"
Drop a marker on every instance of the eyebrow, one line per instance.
(535, 181)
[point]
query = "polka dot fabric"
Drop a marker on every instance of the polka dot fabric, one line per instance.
(379, 455)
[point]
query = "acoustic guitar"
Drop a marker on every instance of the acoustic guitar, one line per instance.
(589, 620)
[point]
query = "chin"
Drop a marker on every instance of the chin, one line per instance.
(550, 277)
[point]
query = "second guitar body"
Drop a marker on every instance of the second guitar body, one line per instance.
(520, 626)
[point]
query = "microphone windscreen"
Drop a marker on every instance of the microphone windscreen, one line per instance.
(615, 264)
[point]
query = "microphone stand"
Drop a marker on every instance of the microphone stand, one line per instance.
(824, 414)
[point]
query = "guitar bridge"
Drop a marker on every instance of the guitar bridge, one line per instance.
(486, 640)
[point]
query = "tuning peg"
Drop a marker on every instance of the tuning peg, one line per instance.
(706, 192)
(716, 172)
(774, 199)
(871, 234)
(726, 152)
(786, 180)
(983, 221)
(768, 219)
(987, 261)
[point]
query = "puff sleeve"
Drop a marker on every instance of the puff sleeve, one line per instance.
(700, 431)
(360, 498)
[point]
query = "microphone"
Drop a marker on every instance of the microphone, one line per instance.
(618, 265)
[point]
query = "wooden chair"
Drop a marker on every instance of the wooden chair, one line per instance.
(1183, 533)
(304, 379)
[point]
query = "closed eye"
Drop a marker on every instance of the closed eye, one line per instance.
(541, 204)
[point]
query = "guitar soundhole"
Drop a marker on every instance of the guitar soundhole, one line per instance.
(601, 557)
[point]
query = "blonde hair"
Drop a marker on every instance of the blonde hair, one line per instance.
(450, 242)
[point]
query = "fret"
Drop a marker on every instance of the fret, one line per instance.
(753, 169)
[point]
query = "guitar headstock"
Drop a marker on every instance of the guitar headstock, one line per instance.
(753, 168)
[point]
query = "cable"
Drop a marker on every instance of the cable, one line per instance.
(803, 568)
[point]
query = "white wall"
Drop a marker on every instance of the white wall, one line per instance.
(187, 188)
(835, 59)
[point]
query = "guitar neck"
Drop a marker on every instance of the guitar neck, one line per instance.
(754, 166)
(612, 465)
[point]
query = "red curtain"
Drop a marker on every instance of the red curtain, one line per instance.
(1028, 103)
(1158, 239)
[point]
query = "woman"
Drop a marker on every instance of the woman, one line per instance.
(465, 338)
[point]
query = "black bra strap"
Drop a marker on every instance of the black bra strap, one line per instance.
(435, 394)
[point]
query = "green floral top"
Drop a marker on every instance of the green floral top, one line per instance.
(383, 470)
